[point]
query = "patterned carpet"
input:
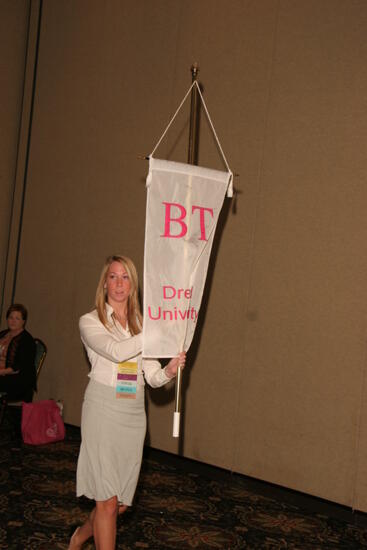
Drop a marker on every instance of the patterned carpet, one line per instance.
(179, 505)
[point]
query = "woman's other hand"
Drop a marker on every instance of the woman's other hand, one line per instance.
(178, 361)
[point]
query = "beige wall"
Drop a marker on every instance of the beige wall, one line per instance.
(275, 387)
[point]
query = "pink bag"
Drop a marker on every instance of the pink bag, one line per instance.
(42, 422)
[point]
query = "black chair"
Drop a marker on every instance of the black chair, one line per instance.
(41, 352)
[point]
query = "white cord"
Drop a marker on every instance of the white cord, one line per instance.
(172, 119)
(212, 127)
(195, 83)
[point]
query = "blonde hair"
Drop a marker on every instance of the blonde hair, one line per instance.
(134, 316)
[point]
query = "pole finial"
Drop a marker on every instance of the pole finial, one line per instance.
(194, 70)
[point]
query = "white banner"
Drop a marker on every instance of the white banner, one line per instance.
(183, 205)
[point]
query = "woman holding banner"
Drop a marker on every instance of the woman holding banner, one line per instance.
(113, 416)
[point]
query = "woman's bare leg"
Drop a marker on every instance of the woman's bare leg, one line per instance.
(85, 531)
(104, 525)
(82, 533)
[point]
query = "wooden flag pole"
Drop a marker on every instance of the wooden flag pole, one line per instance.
(192, 158)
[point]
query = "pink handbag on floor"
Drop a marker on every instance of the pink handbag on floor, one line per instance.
(42, 422)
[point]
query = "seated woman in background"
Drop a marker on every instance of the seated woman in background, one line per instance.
(17, 355)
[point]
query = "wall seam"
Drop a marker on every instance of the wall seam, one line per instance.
(358, 433)
(25, 177)
(12, 205)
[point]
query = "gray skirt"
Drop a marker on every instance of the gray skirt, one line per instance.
(113, 434)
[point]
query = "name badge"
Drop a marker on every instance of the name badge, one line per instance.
(127, 376)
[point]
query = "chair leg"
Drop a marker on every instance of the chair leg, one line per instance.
(3, 405)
